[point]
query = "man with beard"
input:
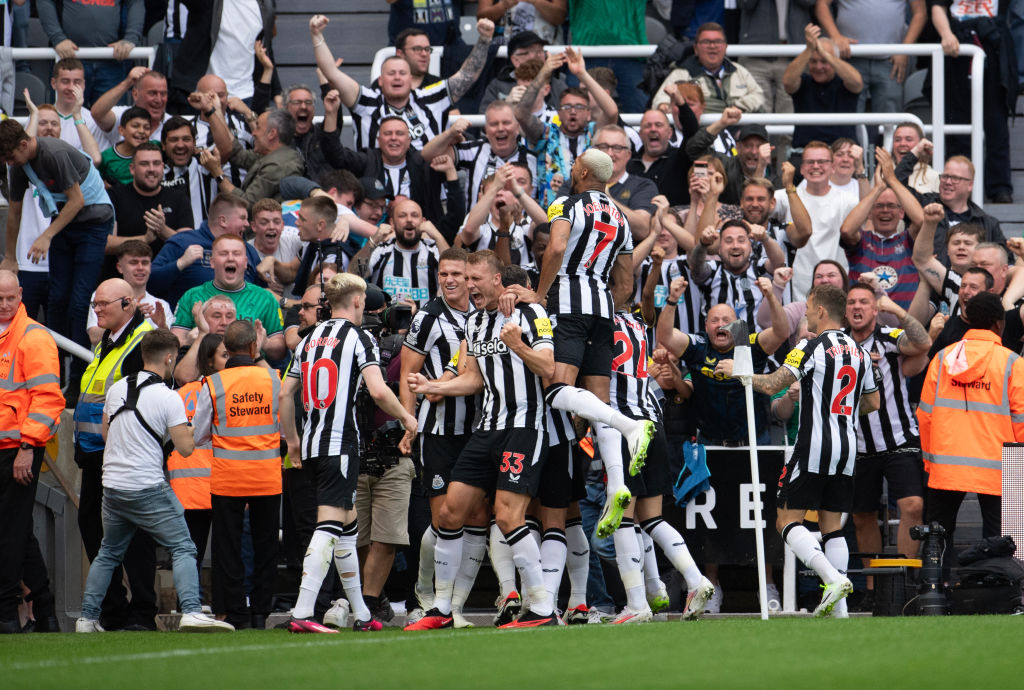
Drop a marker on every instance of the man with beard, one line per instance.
(887, 443)
(753, 153)
(182, 169)
(279, 248)
(883, 248)
(731, 279)
(404, 266)
(256, 304)
(559, 142)
(480, 158)
(320, 144)
(145, 208)
(757, 204)
(425, 109)
(658, 160)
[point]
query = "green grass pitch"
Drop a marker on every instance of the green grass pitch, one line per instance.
(961, 652)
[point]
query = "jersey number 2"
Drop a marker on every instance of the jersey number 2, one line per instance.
(608, 233)
(313, 394)
(847, 378)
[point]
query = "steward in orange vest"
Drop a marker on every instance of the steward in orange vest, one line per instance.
(237, 412)
(30, 408)
(190, 477)
(971, 403)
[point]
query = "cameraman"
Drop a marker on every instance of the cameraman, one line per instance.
(385, 473)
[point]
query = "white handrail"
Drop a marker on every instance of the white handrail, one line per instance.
(938, 128)
(147, 53)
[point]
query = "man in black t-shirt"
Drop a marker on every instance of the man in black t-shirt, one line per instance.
(145, 208)
(830, 85)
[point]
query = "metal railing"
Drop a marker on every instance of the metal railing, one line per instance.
(938, 127)
(147, 53)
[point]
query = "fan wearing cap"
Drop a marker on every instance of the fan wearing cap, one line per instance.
(751, 158)
(525, 45)
(829, 85)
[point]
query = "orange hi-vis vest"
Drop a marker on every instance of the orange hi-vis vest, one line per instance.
(190, 477)
(971, 403)
(30, 397)
(246, 435)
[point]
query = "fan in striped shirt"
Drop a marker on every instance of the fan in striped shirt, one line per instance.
(425, 109)
(590, 245)
(404, 266)
(887, 439)
(508, 356)
(330, 365)
(838, 385)
(944, 281)
(731, 279)
(656, 274)
(481, 158)
(503, 192)
(631, 395)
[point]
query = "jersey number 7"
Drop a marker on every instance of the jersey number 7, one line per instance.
(608, 233)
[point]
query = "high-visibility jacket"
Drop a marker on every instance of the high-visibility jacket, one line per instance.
(245, 433)
(190, 477)
(971, 403)
(100, 375)
(30, 397)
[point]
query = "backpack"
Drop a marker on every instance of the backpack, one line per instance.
(670, 51)
(131, 402)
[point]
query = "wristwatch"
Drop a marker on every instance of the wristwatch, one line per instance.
(219, 178)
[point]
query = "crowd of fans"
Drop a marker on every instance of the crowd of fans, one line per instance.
(209, 194)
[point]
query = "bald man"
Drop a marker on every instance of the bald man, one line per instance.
(117, 355)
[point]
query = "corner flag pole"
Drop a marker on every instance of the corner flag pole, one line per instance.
(743, 369)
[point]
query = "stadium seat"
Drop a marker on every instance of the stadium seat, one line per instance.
(36, 89)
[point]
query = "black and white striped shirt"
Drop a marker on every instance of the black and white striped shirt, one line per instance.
(436, 332)
(518, 249)
(197, 183)
(426, 113)
(630, 389)
(690, 310)
(175, 20)
(513, 394)
(834, 372)
(406, 273)
(738, 291)
(480, 162)
(948, 302)
(598, 234)
(329, 364)
(893, 423)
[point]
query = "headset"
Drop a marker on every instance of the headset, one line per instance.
(126, 302)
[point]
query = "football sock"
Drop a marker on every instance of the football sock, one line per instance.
(629, 559)
(582, 402)
(837, 551)
(474, 544)
(552, 560)
(535, 531)
(652, 578)
(425, 573)
(447, 559)
(609, 441)
(527, 559)
(807, 549)
(674, 547)
(501, 561)
(315, 566)
(346, 561)
(577, 561)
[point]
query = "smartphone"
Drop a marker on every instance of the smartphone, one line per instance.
(700, 169)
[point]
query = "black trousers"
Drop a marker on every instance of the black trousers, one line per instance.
(228, 569)
(139, 561)
(20, 558)
(942, 506)
(995, 120)
(198, 522)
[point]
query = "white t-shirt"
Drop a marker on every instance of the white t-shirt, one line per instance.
(69, 132)
(33, 223)
(149, 299)
(132, 459)
(232, 57)
(827, 215)
(851, 187)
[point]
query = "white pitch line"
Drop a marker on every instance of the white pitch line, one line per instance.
(321, 641)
